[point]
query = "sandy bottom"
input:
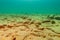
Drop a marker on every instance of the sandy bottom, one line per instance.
(29, 27)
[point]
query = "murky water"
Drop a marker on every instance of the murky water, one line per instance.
(30, 6)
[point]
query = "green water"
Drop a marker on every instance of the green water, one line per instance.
(29, 6)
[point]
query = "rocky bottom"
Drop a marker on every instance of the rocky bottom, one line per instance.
(23, 28)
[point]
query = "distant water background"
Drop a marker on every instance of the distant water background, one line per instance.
(29, 7)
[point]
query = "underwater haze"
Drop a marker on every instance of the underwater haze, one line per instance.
(30, 6)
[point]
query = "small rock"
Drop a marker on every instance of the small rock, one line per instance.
(46, 21)
(53, 22)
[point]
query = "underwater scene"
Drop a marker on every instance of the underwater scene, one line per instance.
(29, 19)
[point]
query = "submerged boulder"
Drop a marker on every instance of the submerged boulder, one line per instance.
(53, 17)
(57, 18)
